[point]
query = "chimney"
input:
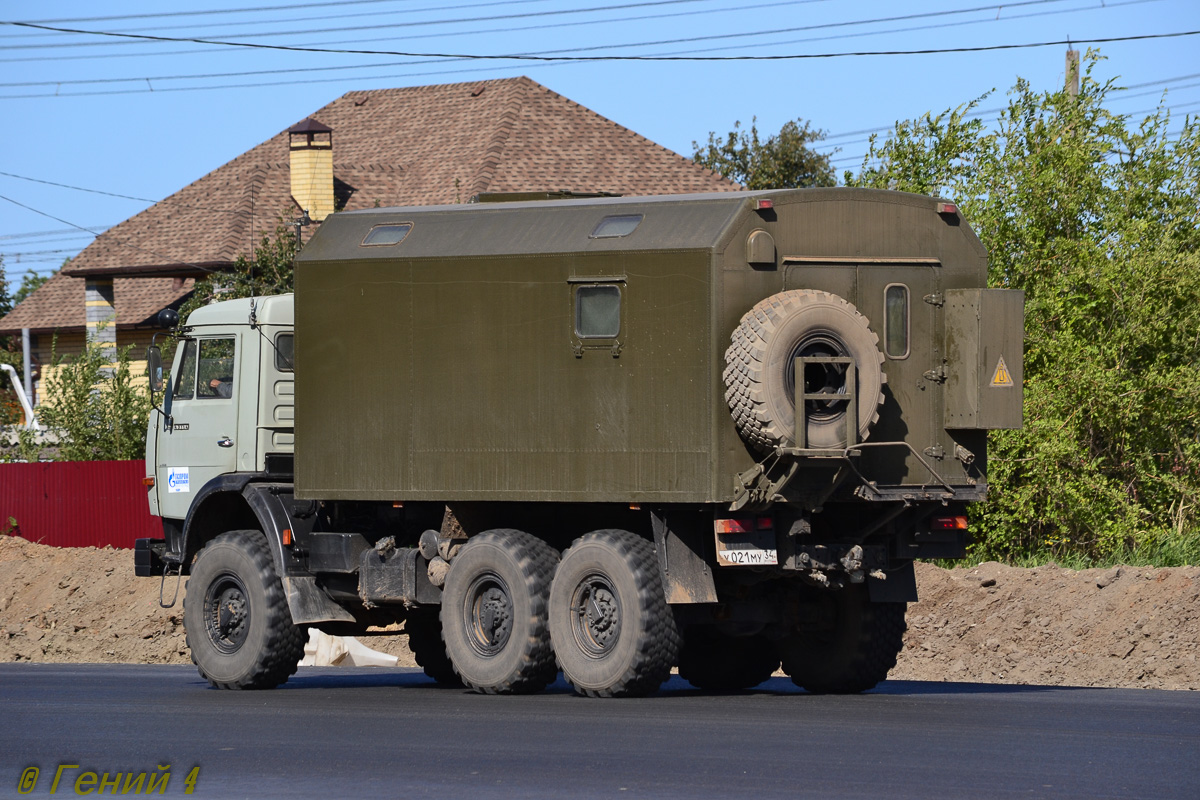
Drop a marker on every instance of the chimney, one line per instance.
(311, 147)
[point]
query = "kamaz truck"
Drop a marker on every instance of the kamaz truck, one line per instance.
(605, 436)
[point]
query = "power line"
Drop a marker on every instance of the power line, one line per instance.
(1107, 6)
(545, 58)
(310, 70)
(58, 232)
(233, 11)
(111, 238)
(340, 15)
(409, 23)
(120, 196)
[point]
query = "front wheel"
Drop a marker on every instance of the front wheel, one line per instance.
(613, 631)
(236, 618)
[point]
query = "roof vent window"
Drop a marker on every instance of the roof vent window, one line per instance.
(617, 226)
(382, 235)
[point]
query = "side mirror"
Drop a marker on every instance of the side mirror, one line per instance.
(167, 318)
(158, 383)
(154, 367)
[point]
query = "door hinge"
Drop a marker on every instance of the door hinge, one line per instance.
(937, 374)
(935, 299)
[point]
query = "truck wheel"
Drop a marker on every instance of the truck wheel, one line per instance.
(853, 655)
(425, 640)
(236, 618)
(714, 661)
(760, 369)
(494, 613)
(613, 631)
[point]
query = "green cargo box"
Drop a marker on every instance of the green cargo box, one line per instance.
(573, 350)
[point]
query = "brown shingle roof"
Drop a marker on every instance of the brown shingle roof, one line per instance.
(413, 146)
(58, 303)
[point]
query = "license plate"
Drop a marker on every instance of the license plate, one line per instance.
(746, 548)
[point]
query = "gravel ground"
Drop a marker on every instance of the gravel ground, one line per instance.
(1122, 627)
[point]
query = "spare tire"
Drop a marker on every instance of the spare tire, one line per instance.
(760, 366)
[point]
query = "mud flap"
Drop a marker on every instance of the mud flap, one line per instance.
(899, 587)
(686, 577)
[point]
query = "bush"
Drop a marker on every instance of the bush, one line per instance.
(1097, 219)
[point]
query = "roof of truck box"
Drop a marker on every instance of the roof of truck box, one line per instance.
(668, 222)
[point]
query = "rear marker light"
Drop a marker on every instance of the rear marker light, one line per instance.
(949, 209)
(763, 205)
(743, 525)
(949, 523)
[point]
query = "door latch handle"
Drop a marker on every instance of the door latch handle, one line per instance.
(225, 441)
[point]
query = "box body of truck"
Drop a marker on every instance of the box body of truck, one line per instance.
(663, 429)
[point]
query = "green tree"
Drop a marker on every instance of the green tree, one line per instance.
(93, 410)
(267, 271)
(784, 160)
(1097, 218)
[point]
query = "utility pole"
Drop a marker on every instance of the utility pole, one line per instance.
(1072, 82)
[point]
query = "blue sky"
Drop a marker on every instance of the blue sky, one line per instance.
(145, 118)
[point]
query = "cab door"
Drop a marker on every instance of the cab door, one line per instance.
(200, 444)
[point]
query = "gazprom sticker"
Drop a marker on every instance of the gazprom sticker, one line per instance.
(177, 479)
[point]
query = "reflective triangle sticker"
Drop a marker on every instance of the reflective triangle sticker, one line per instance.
(1001, 377)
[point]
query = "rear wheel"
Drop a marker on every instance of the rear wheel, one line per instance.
(721, 663)
(613, 631)
(425, 640)
(854, 653)
(236, 618)
(494, 608)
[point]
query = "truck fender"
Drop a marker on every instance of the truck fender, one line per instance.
(307, 601)
(217, 508)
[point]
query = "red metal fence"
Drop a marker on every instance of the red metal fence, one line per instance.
(77, 503)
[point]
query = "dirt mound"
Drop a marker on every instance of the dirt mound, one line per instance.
(1124, 627)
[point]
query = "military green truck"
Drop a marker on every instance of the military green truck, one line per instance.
(608, 436)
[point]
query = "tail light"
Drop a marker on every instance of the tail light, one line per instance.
(744, 525)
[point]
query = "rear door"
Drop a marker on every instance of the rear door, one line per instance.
(901, 300)
(201, 443)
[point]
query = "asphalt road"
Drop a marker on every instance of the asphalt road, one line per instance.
(391, 733)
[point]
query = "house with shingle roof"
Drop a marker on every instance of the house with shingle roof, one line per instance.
(423, 145)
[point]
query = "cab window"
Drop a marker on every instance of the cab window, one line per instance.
(215, 368)
(285, 352)
(185, 381)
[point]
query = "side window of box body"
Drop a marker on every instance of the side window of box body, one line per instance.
(896, 323)
(598, 311)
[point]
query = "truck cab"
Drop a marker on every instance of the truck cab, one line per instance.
(227, 411)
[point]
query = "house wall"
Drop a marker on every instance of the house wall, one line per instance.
(45, 347)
